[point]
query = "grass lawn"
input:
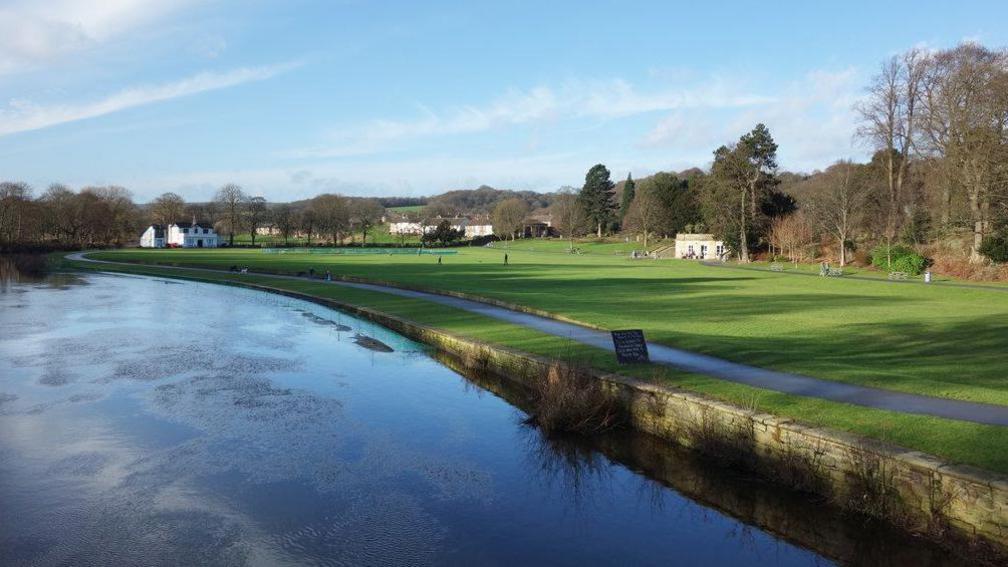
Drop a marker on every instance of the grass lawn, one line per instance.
(406, 209)
(379, 234)
(933, 340)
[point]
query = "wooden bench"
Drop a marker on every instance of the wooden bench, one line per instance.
(834, 273)
(897, 276)
(776, 267)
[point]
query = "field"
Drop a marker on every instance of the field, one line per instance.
(406, 209)
(377, 235)
(934, 340)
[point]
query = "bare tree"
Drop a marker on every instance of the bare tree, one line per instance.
(15, 207)
(230, 199)
(508, 217)
(332, 215)
(965, 102)
(167, 208)
(62, 213)
(793, 235)
(365, 214)
(308, 223)
(284, 220)
(568, 216)
(647, 210)
(890, 120)
(255, 215)
(837, 203)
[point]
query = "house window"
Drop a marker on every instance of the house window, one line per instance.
(720, 249)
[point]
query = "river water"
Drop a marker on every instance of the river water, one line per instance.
(146, 421)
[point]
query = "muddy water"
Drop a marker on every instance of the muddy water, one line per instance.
(148, 421)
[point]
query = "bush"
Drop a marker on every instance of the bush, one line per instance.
(570, 400)
(995, 248)
(904, 259)
(911, 264)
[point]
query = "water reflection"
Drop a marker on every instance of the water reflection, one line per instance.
(147, 422)
(31, 269)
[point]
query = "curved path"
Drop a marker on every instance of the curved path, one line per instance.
(796, 384)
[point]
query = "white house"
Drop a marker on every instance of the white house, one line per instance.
(698, 246)
(483, 228)
(469, 226)
(153, 237)
(180, 235)
(404, 226)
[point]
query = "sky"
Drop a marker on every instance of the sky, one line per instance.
(294, 98)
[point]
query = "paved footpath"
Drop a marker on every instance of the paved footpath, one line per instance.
(796, 384)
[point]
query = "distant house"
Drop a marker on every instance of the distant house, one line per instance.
(538, 224)
(179, 235)
(153, 237)
(478, 225)
(470, 226)
(698, 246)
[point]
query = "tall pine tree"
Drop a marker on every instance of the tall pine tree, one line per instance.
(597, 197)
(629, 190)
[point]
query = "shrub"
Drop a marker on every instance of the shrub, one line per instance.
(995, 247)
(912, 264)
(904, 259)
(570, 400)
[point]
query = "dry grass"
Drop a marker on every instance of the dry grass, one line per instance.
(568, 399)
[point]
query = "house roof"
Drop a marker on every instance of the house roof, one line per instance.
(190, 225)
(692, 236)
(158, 230)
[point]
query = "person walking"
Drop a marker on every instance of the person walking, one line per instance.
(505, 259)
(439, 260)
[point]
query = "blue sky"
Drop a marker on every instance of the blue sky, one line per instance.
(295, 98)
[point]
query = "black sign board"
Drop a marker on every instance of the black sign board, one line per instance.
(630, 346)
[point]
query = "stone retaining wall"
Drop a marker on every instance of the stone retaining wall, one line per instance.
(913, 489)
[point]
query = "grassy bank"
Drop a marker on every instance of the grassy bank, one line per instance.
(984, 446)
(938, 341)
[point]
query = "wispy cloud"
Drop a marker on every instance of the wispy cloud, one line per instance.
(604, 100)
(23, 115)
(812, 120)
(34, 32)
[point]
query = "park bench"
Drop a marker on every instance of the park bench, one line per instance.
(834, 272)
(897, 276)
(776, 267)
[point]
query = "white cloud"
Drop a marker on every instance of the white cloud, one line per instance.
(22, 115)
(611, 99)
(812, 120)
(381, 177)
(34, 32)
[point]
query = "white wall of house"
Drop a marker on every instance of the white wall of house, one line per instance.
(149, 240)
(698, 246)
(190, 236)
(474, 230)
(404, 227)
(193, 236)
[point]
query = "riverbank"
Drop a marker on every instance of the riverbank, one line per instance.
(871, 334)
(917, 492)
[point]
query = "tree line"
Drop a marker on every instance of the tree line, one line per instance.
(96, 217)
(937, 182)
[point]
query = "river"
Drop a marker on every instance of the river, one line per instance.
(150, 421)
